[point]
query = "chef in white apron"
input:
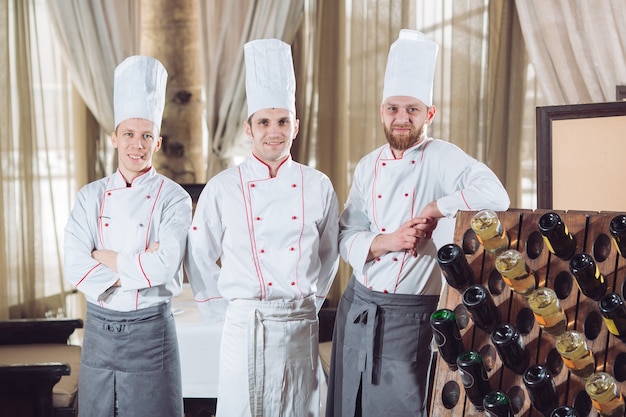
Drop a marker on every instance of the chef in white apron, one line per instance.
(272, 224)
(124, 244)
(382, 336)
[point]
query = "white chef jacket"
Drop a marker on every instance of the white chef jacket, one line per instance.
(386, 192)
(275, 238)
(108, 214)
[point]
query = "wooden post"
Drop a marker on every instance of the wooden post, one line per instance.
(170, 32)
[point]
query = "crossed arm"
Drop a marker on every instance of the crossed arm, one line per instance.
(408, 235)
(108, 258)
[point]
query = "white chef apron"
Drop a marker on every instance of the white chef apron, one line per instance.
(269, 359)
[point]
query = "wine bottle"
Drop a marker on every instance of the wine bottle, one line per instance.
(541, 388)
(564, 411)
(548, 311)
(588, 277)
(510, 347)
(498, 404)
(481, 307)
(605, 395)
(474, 377)
(576, 354)
(614, 314)
(617, 227)
(489, 231)
(556, 236)
(515, 272)
(447, 336)
(454, 266)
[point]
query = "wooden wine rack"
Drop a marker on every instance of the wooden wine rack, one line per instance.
(591, 232)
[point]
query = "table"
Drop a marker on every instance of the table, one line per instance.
(199, 345)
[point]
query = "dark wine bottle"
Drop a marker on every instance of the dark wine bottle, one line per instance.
(564, 411)
(614, 314)
(588, 277)
(617, 227)
(454, 266)
(474, 377)
(541, 388)
(447, 336)
(556, 236)
(481, 307)
(498, 404)
(510, 347)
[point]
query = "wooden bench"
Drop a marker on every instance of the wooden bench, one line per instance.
(38, 369)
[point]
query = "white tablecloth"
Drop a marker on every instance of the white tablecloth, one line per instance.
(199, 346)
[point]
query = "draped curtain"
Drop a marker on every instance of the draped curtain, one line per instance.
(226, 27)
(35, 162)
(94, 36)
(576, 47)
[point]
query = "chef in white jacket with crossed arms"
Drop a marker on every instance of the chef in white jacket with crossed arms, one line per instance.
(273, 225)
(124, 245)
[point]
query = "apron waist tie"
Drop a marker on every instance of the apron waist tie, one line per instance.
(256, 361)
(368, 317)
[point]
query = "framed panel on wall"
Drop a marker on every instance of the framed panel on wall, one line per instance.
(581, 157)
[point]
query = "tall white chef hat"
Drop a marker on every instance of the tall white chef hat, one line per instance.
(139, 90)
(411, 67)
(270, 78)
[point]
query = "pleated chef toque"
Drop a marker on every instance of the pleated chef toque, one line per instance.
(270, 78)
(139, 89)
(411, 67)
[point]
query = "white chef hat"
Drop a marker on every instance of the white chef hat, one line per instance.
(411, 67)
(139, 90)
(270, 78)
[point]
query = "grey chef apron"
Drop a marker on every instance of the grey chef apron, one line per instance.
(381, 343)
(130, 359)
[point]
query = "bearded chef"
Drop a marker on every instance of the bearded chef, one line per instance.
(382, 330)
(124, 245)
(272, 224)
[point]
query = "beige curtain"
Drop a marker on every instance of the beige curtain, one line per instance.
(224, 70)
(35, 163)
(576, 47)
(5, 129)
(94, 36)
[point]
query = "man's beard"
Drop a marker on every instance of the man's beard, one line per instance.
(404, 142)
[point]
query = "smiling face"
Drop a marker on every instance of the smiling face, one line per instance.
(272, 132)
(405, 120)
(136, 140)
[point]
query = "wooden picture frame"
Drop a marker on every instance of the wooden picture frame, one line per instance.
(620, 93)
(581, 157)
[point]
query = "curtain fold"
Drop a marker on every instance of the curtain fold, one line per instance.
(224, 68)
(94, 37)
(35, 162)
(577, 48)
(5, 129)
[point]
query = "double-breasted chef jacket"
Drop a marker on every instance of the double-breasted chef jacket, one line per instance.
(387, 191)
(108, 214)
(275, 238)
